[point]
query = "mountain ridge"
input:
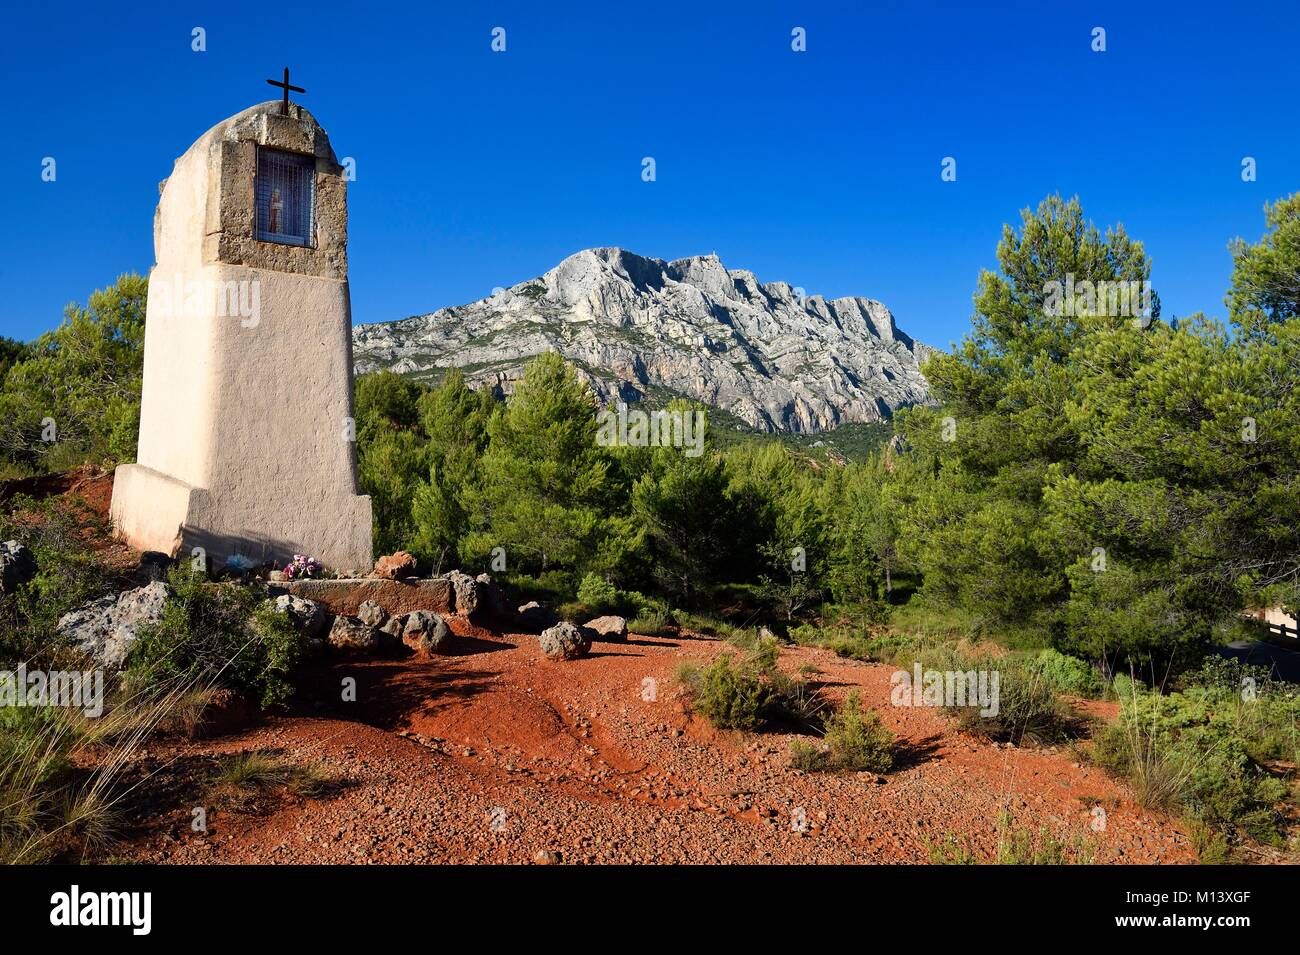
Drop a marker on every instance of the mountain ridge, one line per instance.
(633, 325)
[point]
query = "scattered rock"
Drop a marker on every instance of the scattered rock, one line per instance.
(372, 615)
(765, 634)
(464, 591)
(17, 566)
(610, 629)
(395, 566)
(424, 631)
(533, 617)
(547, 857)
(351, 634)
(564, 641)
(106, 627)
(307, 615)
(346, 595)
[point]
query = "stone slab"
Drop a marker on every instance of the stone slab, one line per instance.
(346, 595)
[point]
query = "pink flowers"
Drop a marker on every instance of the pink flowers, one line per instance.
(303, 567)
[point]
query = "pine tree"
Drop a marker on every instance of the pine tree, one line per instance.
(691, 521)
(455, 420)
(392, 453)
(974, 531)
(544, 489)
(74, 393)
(1266, 276)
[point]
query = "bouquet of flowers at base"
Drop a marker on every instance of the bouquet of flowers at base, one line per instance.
(303, 567)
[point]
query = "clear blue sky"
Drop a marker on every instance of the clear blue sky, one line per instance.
(477, 169)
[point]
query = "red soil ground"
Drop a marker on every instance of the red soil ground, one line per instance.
(496, 754)
(86, 492)
(94, 486)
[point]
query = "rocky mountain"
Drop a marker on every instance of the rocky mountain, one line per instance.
(645, 329)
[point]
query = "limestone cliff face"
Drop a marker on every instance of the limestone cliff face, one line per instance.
(638, 327)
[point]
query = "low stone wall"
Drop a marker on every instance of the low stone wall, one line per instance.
(346, 595)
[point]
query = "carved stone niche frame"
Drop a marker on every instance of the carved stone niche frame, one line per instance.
(231, 215)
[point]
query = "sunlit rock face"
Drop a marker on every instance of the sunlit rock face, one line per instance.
(642, 328)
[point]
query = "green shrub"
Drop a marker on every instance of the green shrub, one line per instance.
(855, 643)
(1027, 707)
(1027, 711)
(1210, 845)
(1016, 846)
(745, 638)
(1201, 751)
(551, 587)
(653, 623)
(218, 634)
(639, 603)
(854, 740)
(1203, 771)
(876, 647)
(729, 695)
(595, 601)
(807, 756)
(928, 618)
(933, 653)
(751, 691)
(1123, 686)
(951, 849)
(807, 635)
(1228, 790)
(696, 623)
(264, 769)
(1263, 713)
(575, 611)
(599, 594)
(69, 573)
(1066, 674)
(793, 699)
(763, 656)
(1156, 770)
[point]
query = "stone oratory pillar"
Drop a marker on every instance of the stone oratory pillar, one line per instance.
(247, 441)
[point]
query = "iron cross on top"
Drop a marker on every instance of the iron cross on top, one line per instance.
(284, 107)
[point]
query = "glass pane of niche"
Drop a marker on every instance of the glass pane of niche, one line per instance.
(286, 197)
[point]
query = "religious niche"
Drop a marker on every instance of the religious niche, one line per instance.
(286, 197)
